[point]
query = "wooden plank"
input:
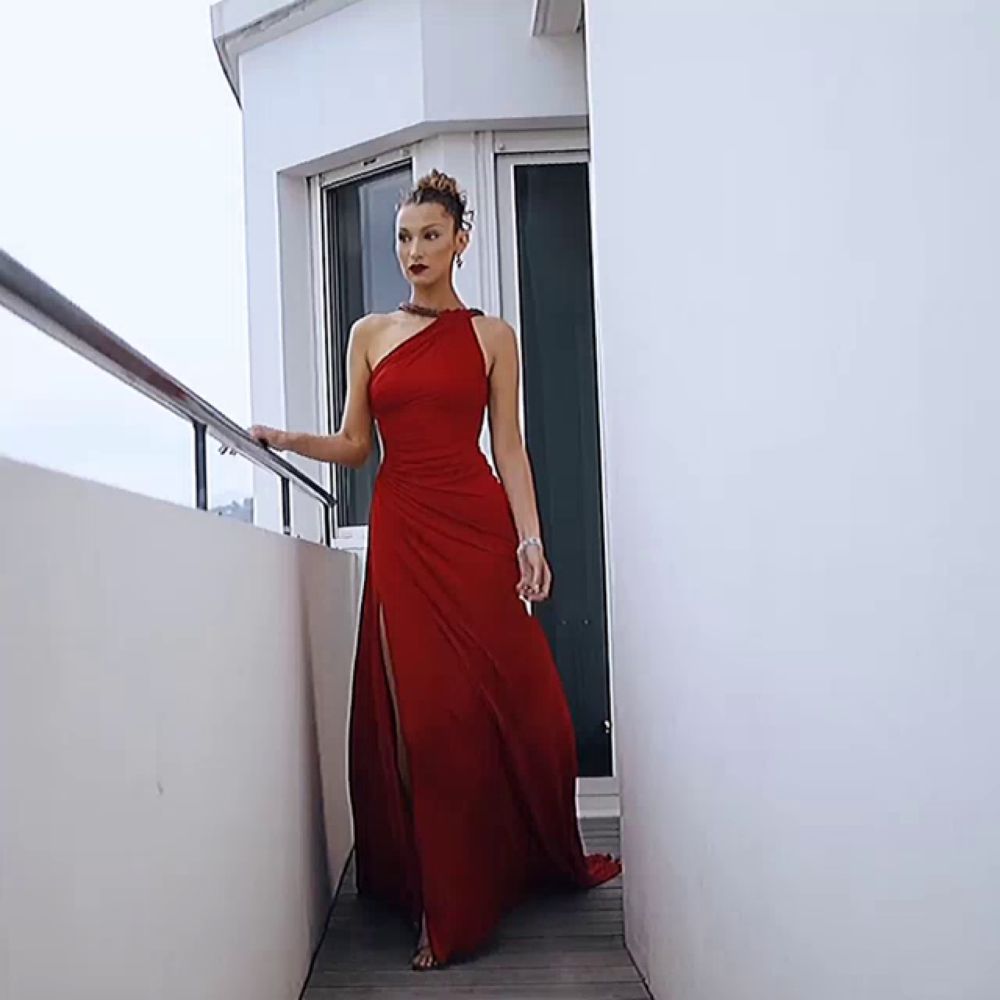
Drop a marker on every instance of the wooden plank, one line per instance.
(501, 959)
(511, 952)
(475, 975)
(598, 991)
(553, 945)
(560, 923)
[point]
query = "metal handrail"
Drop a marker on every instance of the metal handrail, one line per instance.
(34, 300)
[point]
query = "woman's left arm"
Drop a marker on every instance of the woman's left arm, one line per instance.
(510, 455)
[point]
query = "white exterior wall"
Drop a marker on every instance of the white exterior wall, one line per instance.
(798, 298)
(366, 78)
(174, 692)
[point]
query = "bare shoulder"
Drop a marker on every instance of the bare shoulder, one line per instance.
(494, 332)
(371, 324)
(368, 330)
(494, 326)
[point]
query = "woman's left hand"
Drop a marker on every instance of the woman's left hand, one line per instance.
(536, 577)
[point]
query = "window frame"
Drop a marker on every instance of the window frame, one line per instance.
(325, 305)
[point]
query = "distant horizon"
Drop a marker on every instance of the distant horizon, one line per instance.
(123, 189)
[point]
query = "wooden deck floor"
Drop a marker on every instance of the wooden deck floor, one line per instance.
(567, 946)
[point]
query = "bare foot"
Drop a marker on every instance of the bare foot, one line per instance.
(423, 957)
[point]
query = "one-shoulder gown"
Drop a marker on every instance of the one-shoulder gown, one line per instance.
(481, 707)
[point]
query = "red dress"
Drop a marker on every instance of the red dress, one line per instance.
(484, 718)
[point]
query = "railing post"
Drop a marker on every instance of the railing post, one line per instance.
(200, 466)
(286, 506)
(327, 525)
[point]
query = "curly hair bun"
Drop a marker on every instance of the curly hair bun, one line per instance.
(437, 181)
(442, 189)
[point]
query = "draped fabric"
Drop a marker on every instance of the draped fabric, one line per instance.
(481, 708)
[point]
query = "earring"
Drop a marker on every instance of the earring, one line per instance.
(458, 259)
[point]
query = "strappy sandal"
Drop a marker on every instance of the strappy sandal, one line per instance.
(423, 960)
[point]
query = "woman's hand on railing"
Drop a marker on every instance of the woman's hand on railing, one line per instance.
(271, 436)
(338, 449)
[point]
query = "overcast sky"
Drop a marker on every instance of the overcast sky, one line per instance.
(121, 185)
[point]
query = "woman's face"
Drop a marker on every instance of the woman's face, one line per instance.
(426, 243)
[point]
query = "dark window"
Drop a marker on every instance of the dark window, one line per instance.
(363, 277)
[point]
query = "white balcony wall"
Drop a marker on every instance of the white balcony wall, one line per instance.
(797, 222)
(365, 78)
(174, 692)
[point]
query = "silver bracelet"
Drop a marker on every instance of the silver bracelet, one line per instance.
(525, 542)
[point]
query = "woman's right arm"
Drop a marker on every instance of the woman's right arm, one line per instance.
(352, 444)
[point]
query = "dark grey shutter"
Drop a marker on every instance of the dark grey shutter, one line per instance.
(562, 433)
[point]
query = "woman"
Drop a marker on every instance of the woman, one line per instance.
(462, 752)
